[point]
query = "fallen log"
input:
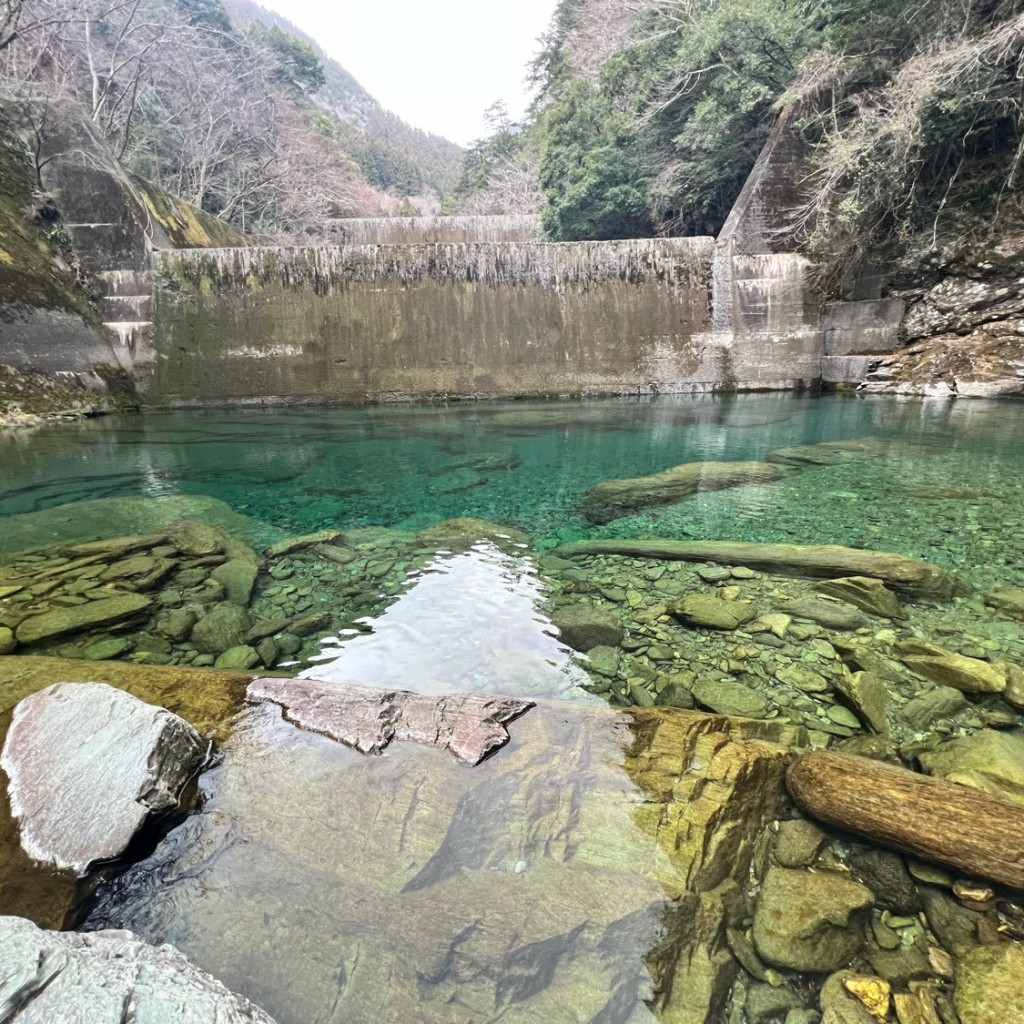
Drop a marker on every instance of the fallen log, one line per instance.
(901, 572)
(935, 820)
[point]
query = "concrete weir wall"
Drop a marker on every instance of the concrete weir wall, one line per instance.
(401, 322)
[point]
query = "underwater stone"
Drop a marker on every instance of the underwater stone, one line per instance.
(221, 628)
(613, 499)
(831, 614)
(292, 544)
(712, 612)
(237, 577)
(950, 669)
(989, 760)
(101, 977)
(88, 766)
(810, 920)
(867, 594)
(7, 641)
(990, 984)
(76, 618)
(584, 627)
(728, 697)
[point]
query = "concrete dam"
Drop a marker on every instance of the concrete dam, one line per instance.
(402, 309)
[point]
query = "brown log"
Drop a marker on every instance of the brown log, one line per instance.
(935, 820)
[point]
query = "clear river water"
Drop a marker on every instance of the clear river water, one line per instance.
(328, 886)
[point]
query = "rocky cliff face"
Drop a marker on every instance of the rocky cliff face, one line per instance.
(964, 326)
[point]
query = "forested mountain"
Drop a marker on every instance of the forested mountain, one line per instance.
(394, 156)
(650, 114)
(242, 118)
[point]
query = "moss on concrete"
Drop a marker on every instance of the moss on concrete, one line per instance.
(186, 226)
(35, 270)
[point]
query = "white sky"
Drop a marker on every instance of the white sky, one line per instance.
(438, 64)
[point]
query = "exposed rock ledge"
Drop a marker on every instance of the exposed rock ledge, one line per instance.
(470, 725)
(108, 977)
(987, 363)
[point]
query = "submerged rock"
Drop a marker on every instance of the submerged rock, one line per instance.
(831, 614)
(584, 627)
(903, 573)
(616, 498)
(465, 531)
(712, 612)
(108, 977)
(470, 725)
(990, 984)
(590, 870)
(88, 767)
(867, 594)
(62, 621)
(828, 453)
(990, 761)
(222, 628)
(950, 669)
(810, 920)
(1009, 601)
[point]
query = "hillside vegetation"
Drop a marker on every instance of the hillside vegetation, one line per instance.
(650, 114)
(241, 117)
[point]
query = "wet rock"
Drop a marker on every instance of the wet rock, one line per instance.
(237, 577)
(1009, 601)
(309, 540)
(307, 625)
(223, 627)
(798, 843)
(870, 699)
(831, 614)
(938, 705)
(950, 669)
(675, 695)
(869, 595)
(703, 610)
(603, 660)
(828, 453)
(584, 627)
(810, 921)
(175, 624)
(886, 875)
(765, 1004)
(462, 532)
(728, 697)
(470, 725)
(990, 984)
(714, 573)
(103, 977)
(613, 499)
(991, 761)
(902, 573)
(954, 925)
(841, 1006)
(76, 619)
(88, 766)
(106, 650)
(802, 678)
(241, 657)
(7, 641)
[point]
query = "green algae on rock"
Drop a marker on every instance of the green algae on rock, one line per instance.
(616, 498)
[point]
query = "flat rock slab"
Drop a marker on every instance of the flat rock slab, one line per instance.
(61, 621)
(901, 572)
(88, 766)
(108, 977)
(326, 886)
(613, 499)
(470, 725)
(828, 453)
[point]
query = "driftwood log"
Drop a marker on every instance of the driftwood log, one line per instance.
(935, 820)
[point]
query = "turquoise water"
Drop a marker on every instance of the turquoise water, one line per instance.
(948, 486)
